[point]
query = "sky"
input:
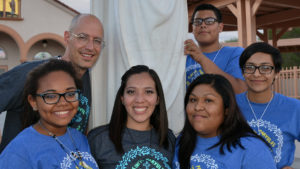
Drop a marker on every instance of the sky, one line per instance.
(83, 6)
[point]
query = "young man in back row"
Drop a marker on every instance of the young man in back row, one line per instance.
(84, 42)
(209, 56)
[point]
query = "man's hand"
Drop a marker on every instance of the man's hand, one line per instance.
(192, 49)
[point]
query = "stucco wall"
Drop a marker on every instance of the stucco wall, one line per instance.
(48, 16)
(42, 19)
(11, 50)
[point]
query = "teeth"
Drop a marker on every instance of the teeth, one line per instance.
(139, 109)
(61, 112)
(86, 55)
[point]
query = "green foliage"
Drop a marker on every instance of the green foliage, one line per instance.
(232, 40)
(294, 33)
(291, 59)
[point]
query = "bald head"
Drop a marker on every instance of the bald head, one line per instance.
(77, 20)
(82, 41)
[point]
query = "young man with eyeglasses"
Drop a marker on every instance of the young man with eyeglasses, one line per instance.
(84, 42)
(273, 116)
(209, 56)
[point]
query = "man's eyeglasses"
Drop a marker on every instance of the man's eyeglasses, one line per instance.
(53, 98)
(207, 21)
(263, 69)
(83, 39)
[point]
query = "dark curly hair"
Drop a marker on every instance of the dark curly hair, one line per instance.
(32, 84)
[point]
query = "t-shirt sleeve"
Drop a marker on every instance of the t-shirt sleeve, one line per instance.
(294, 125)
(257, 155)
(15, 155)
(233, 67)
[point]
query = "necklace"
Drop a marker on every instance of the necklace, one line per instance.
(133, 140)
(220, 48)
(258, 121)
(74, 155)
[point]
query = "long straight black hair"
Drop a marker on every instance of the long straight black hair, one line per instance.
(158, 119)
(231, 130)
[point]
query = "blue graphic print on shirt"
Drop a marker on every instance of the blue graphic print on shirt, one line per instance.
(193, 70)
(148, 158)
(201, 161)
(279, 126)
(271, 133)
(70, 162)
(80, 120)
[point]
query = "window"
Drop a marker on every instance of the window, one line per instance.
(10, 9)
(2, 53)
(42, 55)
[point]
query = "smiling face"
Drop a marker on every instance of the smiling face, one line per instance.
(207, 34)
(257, 82)
(140, 99)
(205, 110)
(84, 56)
(59, 115)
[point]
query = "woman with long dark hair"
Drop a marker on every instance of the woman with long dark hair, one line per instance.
(215, 134)
(137, 135)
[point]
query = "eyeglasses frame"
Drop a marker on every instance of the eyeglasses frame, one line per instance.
(42, 95)
(203, 20)
(258, 67)
(78, 36)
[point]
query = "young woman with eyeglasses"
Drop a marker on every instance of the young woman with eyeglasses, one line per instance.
(273, 116)
(51, 96)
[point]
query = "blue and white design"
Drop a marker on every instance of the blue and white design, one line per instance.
(272, 132)
(69, 161)
(207, 160)
(193, 70)
(143, 157)
(80, 120)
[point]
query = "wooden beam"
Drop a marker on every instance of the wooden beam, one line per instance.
(292, 23)
(274, 37)
(229, 20)
(233, 9)
(255, 6)
(283, 3)
(263, 36)
(250, 23)
(229, 28)
(217, 3)
(282, 31)
(241, 21)
(278, 17)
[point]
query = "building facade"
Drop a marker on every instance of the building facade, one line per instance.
(32, 29)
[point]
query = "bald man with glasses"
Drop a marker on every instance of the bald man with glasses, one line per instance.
(84, 42)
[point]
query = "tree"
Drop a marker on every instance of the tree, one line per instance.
(291, 58)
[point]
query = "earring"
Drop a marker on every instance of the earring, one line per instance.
(34, 109)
